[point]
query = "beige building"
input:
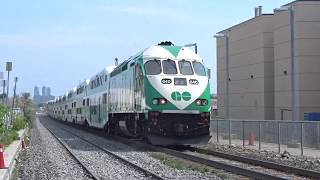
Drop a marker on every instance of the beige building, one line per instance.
(260, 64)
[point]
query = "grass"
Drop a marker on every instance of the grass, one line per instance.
(7, 136)
(179, 164)
(19, 123)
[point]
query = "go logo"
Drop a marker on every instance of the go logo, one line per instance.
(177, 96)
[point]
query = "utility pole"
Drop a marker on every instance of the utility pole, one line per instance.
(3, 90)
(8, 68)
(13, 99)
(1, 84)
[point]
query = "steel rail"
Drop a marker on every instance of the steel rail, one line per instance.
(266, 164)
(143, 170)
(215, 164)
(93, 175)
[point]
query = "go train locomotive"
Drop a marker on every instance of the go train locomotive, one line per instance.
(161, 94)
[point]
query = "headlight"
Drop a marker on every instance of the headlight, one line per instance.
(163, 101)
(201, 102)
(155, 101)
(198, 102)
(204, 102)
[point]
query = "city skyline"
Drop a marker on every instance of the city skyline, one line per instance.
(45, 95)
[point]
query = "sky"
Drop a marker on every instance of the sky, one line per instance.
(62, 42)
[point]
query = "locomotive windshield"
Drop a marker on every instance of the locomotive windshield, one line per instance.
(169, 67)
(153, 67)
(199, 68)
(185, 67)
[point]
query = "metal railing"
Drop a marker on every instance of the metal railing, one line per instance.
(275, 135)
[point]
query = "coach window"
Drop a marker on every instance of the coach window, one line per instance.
(83, 102)
(104, 98)
(185, 67)
(88, 102)
(198, 68)
(153, 67)
(169, 67)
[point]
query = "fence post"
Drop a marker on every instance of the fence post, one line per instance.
(259, 135)
(279, 137)
(301, 138)
(217, 131)
(229, 131)
(243, 134)
(318, 135)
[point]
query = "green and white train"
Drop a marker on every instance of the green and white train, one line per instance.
(161, 94)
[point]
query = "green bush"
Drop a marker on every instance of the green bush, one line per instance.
(8, 136)
(19, 123)
(3, 112)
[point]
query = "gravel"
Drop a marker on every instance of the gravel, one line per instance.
(47, 159)
(100, 163)
(248, 166)
(138, 157)
(285, 158)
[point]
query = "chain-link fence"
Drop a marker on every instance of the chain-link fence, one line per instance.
(297, 137)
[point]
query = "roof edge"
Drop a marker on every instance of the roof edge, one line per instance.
(246, 21)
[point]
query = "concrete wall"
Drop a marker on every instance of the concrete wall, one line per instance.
(250, 67)
(307, 54)
(261, 47)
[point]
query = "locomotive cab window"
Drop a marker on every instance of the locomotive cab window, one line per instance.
(153, 67)
(198, 68)
(185, 67)
(169, 66)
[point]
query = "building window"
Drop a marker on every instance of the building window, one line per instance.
(104, 98)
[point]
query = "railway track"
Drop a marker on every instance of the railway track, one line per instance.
(95, 176)
(266, 164)
(217, 164)
(92, 174)
(211, 163)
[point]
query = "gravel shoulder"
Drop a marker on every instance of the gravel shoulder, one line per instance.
(47, 159)
(284, 158)
(99, 162)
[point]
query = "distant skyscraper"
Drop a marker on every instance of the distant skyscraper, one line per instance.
(48, 92)
(43, 91)
(36, 92)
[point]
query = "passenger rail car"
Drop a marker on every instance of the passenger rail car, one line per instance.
(161, 94)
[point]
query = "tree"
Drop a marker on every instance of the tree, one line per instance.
(25, 103)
